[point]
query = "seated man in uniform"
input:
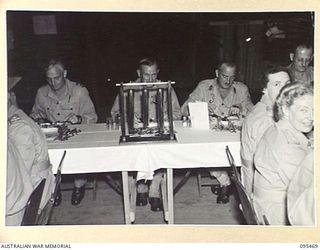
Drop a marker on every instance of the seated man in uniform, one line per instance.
(259, 120)
(225, 97)
(299, 69)
(31, 143)
(62, 100)
(147, 72)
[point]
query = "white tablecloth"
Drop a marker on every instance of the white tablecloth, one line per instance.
(97, 149)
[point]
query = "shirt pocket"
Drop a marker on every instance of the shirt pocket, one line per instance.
(71, 107)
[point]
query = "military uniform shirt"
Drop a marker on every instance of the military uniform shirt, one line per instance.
(301, 203)
(75, 100)
(18, 186)
(176, 113)
(253, 128)
(303, 77)
(278, 156)
(207, 91)
(32, 145)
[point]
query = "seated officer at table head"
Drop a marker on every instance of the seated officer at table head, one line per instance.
(225, 97)
(31, 143)
(281, 150)
(299, 69)
(148, 71)
(62, 100)
(260, 119)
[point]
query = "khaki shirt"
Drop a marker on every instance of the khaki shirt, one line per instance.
(18, 188)
(303, 77)
(253, 128)
(278, 156)
(301, 203)
(207, 91)
(32, 146)
(75, 100)
(176, 113)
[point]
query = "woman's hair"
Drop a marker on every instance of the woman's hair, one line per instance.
(288, 94)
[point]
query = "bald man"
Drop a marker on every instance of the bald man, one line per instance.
(299, 69)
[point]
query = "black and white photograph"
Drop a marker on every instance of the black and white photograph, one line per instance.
(160, 118)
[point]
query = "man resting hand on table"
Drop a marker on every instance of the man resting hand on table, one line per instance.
(62, 100)
(225, 97)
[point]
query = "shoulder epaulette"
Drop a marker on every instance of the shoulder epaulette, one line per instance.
(14, 118)
(79, 84)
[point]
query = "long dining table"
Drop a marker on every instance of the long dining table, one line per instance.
(96, 149)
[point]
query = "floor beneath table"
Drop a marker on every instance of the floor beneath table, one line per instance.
(107, 209)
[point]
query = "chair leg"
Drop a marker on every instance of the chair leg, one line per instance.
(164, 196)
(182, 182)
(199, 183)
(133, 197)
(94, 188)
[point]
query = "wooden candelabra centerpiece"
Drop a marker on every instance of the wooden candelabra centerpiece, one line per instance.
(135, 121)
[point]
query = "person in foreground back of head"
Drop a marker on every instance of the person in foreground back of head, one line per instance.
(18, 187)
(62, 100)
(301, 203)
(259, 120)
(281, 150)
(225, 97)
(299, 69)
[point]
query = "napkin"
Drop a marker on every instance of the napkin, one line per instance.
(199, 115)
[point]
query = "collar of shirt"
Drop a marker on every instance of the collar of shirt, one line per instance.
(12, 110)
(301, 76)
(66, 93)
(269, 105)
(294, 134)
(215, 90)
(141, 87)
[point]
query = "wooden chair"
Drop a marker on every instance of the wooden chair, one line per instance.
(30, 216)
(45, 215)
(200, 180)
(245, 201)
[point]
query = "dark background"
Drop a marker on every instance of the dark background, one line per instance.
(101, 49)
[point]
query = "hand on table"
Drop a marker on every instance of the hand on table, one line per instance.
(74, 119)
(234, 110)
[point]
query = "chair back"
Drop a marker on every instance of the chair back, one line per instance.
(31, 211)
(45, 216)
(246, 204)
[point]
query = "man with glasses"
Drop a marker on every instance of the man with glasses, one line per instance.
(225, 97)
(299, 69)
